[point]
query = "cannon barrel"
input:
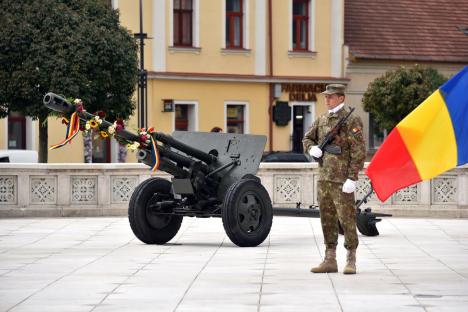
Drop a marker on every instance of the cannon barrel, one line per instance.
(181, 160)
(61, 105)
(166, 164)
(167, 139)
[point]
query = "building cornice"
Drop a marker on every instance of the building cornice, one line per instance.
(244, 78)
(412, 58)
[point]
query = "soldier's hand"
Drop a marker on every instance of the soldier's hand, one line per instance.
(315, 151)
(349, 186)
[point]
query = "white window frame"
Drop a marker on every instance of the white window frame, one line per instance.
(31, 125)
(246, 114)
(311, 29)
(194, 104)
(336, 38)
(312, 106)
(195, 23)
(245, 24)
(159, 34)
(260, 33)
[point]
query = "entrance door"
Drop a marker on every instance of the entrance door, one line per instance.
(16, 131)
(185, 118)
(302, 117)
(101, 150)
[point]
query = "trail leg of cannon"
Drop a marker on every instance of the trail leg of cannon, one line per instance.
(366, 221)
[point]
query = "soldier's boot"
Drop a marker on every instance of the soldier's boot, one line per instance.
(329, 263)
(350, 267)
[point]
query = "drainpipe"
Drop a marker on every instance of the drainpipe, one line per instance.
(271, 85)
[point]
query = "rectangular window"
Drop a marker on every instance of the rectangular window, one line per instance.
(235, 119)
(300, 25)
(234, 22)
(183, 14)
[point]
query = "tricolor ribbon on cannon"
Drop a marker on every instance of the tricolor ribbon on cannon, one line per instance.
(73, 127)
(79, 116)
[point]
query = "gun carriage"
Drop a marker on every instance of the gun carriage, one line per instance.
(215, 179)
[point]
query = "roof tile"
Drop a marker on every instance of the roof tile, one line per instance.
(407, 29)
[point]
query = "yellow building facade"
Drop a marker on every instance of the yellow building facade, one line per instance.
(245, 66)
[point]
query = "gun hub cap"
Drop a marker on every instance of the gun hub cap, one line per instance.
(249, 212)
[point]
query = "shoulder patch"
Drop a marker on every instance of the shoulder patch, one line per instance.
(356, 130)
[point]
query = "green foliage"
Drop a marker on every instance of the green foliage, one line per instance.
(394, 95)
(72, 47)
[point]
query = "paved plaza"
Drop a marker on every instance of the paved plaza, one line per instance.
(96, 264)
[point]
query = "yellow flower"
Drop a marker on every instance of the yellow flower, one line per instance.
(93, 124)
(87, 125)
(133, 146)
(104, 134)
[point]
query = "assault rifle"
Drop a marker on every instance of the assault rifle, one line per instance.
(325, 144)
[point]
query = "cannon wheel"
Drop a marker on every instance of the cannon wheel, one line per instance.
(247, 213)
(146, 224)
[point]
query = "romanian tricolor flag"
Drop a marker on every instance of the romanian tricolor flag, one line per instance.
(432, 139)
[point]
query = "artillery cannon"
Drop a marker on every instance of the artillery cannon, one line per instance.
(218, 183)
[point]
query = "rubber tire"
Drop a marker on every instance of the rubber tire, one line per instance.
(137, 216)
(230, 215)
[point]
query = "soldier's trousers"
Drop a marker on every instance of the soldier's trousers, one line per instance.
(336, 205)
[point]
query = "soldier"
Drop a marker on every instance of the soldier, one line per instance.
(338, 174)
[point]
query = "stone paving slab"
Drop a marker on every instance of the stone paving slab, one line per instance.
(96, 264)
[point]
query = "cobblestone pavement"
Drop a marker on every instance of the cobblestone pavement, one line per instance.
(96, 264)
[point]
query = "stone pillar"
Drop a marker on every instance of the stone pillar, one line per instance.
(426, 194)
(23, 188)
(104, 191)
(463, 188)
(63, 190)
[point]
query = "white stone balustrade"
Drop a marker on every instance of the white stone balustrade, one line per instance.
(46, 190)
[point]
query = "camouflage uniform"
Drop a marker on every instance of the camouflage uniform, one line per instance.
(335, 169)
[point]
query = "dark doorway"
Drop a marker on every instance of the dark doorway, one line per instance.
(101, 150)
(16, 131)
(181, 117)
(299, 116)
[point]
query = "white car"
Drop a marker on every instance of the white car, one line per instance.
(18, 156)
